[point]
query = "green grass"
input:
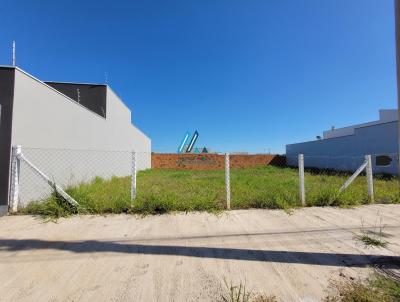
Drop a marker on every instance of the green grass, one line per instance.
(161, 191)
(370, 241)
(372, 237)
(377, 289)
(274, 187)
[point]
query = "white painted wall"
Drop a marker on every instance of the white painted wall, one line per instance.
(43, 118)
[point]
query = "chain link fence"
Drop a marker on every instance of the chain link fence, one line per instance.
(121, 181)
(347, 180)
(317, 181)
(40, 169)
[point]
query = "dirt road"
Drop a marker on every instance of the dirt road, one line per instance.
(185, 257)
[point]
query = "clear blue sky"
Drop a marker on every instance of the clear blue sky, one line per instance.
(248, 75)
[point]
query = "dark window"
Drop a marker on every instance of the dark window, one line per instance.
(383, 160)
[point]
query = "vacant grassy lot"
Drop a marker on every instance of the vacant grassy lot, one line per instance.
(161, 191)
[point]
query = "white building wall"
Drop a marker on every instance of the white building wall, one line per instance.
(347, 152)
(385, 116)
(44, 119)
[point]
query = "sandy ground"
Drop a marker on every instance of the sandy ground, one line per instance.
(185, 257)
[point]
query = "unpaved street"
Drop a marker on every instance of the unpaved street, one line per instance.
(185, 257)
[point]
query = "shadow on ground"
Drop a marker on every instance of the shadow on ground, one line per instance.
(94, 246)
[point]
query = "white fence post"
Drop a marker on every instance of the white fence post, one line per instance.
(134, 171)
(15, 169)
(227, 182)
(301, 180)
(370, 179)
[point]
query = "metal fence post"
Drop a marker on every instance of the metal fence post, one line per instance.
(370, 179)
(301, 180)
(227, 182)
(15, 169)
(134, 171)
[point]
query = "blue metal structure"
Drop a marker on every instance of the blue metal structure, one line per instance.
(182, 145)
(188, 148)
(192, 142)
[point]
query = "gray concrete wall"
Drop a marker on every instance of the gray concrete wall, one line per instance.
(347, 152)
(69, 142)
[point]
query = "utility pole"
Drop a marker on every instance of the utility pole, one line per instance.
(397, 29)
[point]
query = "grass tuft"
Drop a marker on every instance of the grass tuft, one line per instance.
(239, 293)
(369, 241)
(236, 293)
(374, 237)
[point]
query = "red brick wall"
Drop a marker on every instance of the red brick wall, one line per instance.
(212, 161)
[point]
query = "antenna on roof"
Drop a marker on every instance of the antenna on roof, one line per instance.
(106, 77)
(13, 53)
(78, 91)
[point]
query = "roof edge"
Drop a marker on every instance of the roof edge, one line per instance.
(48, 86)
(76, 83)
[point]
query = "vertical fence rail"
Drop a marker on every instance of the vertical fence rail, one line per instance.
(370, 180)
(302, 191)
(15, 170)
(134, 172)
(227, 182)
